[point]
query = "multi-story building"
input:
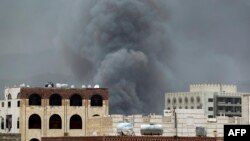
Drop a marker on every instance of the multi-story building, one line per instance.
(50, 112)
(9, 111)
(214, 99)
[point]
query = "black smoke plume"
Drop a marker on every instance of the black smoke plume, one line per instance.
(124, 46)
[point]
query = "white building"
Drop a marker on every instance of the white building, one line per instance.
(9, 111)
(214, 99)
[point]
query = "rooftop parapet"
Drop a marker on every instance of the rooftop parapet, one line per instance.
(213, 88)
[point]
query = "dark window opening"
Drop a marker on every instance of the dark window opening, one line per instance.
(34, 140)
(192, 100)
(9, 104)
(55, 122)
(18, 103)
(180, 100)
(210, 100)
(34, 122)
(174, 100)
(75, 122)
(186, 100)
(198, 99)
(9, 96)
(18, 96)
(55, 100)
(2, 104)
(35, 100)
(210, 108)
(96, 100)
(75, 100)
(8, 121)
(210, 116)
(2, 123)
(96, 115)
(17, 123)
(169, 100)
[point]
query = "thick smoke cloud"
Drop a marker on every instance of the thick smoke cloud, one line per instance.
(125, 45)
(139, 49)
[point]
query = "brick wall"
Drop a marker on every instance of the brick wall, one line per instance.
(129, 138)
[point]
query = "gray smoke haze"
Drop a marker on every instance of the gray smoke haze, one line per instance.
(124, 46)
(139, 49)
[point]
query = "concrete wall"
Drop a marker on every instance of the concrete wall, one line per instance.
(187, 121)
(10, 137)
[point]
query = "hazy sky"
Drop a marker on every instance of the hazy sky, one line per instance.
(174, 43)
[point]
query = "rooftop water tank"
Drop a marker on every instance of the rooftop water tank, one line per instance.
(151, 129)
(125, 128)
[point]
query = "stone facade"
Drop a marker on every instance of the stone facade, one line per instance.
(62, 109)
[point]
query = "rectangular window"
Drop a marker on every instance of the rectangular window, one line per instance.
(18, 103)
(8, 121)
(210, 108)
(210, 116)
(18, 124)
(9, 104)
(2, 123)
(2, 104)
(210, 100)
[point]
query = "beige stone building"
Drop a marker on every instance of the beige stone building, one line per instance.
(51, 112)
(213, 99)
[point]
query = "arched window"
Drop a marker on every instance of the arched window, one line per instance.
(18, 96)
(55, 122)
(75, 122)
(180, 100)
(55, 100)
(198, 99)
(34, 122)
(35, 100)
(34, 140)
(174, 100)
(192, 100)
(9, 96)
(186, 100)
(76, 100)
(96, 100)
(169, 100)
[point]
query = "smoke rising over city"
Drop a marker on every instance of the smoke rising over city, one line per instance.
(139, 49)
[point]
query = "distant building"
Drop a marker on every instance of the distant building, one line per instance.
(214, 99)
(9, 111)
